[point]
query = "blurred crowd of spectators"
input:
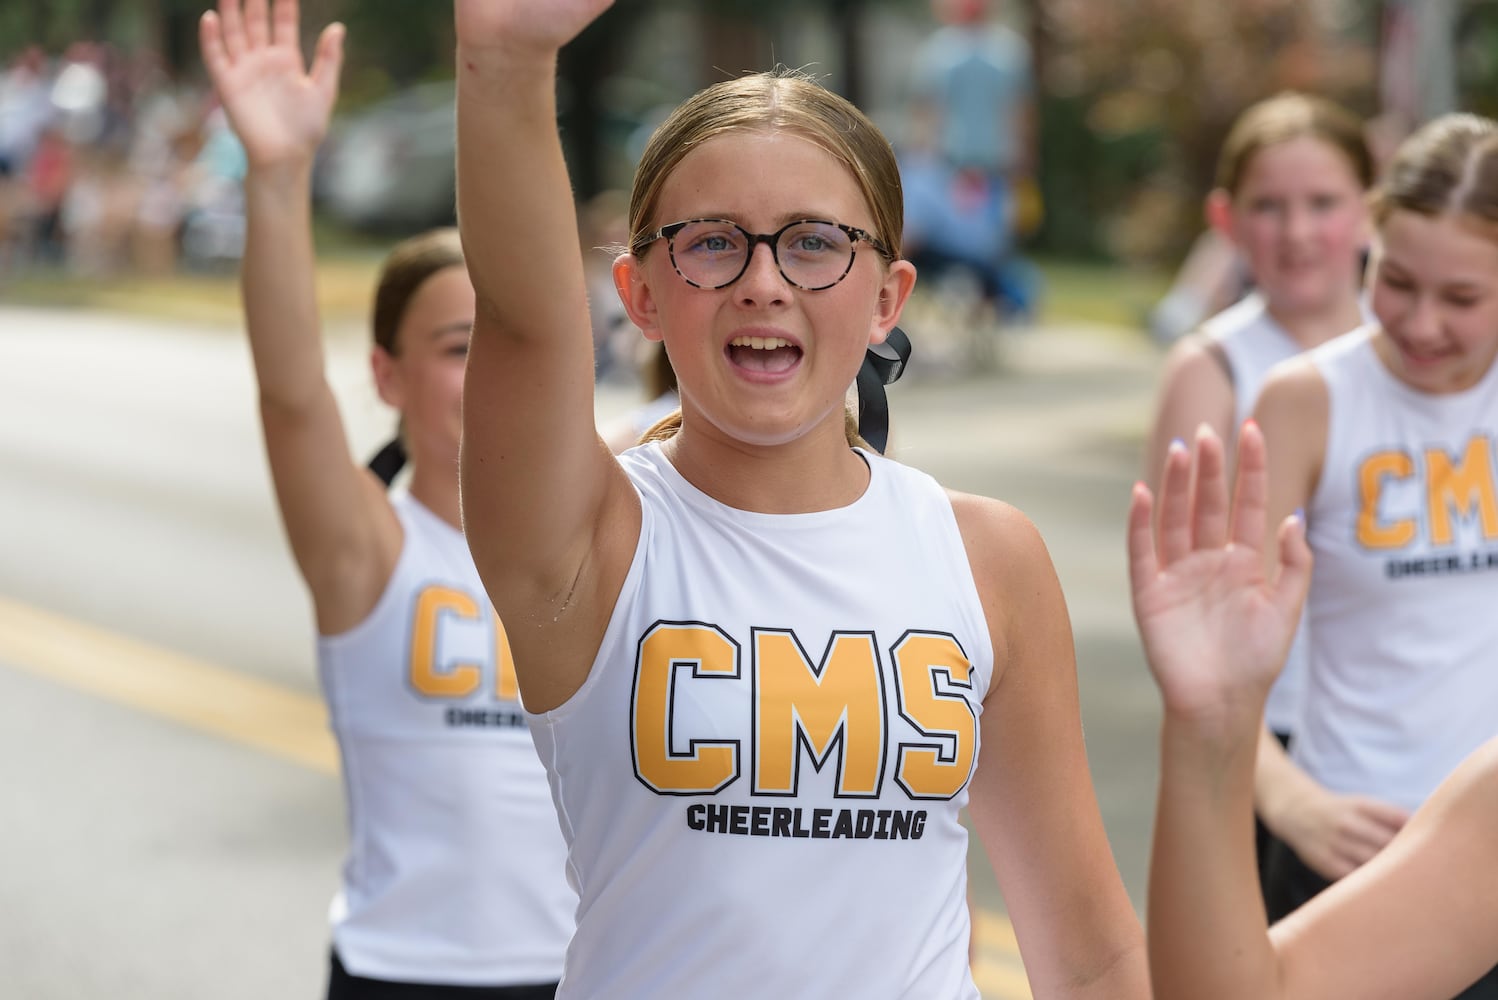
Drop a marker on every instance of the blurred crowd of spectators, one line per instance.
(108, 166)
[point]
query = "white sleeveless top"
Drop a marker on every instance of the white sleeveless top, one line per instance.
(456, 866)
(761, 776)
(1403, 679)
(1254, 343)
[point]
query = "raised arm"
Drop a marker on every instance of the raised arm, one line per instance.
(1215, 628)
(341, 530)
(1419, 921)
(548, 513)
(1032, 799)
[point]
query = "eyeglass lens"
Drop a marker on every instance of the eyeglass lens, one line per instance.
(713, 253)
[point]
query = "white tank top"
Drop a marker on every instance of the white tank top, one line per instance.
(761, 776)
(1403, 679)
(456, 866)
(1254, 343)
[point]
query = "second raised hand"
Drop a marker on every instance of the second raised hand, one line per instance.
(279, 108)
(1214, 627)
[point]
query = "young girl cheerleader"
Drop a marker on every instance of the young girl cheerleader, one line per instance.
(766, 668)
(1290, 196)
(455, 882)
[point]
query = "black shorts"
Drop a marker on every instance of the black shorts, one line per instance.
(344, 985)
(1264, 841)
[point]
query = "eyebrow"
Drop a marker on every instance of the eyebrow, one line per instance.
(457, 326)
(1455, 285)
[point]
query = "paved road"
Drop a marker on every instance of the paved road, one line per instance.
(158, 843)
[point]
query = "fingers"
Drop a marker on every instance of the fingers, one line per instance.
(1175, 505)
(1210, 507)
(285, 22)
(233, 29)
(1387, 815)
(1367, 829)
(1143, 567)
(256, 28)
(1251, 492)
(1294, 578)
(211, 43)
(1353, 830)
(327, 61)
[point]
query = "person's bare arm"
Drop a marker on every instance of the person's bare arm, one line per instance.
(1195, 389)
(1419, 921)
(342, 532)
(1032, 799)
(1215, 627)
(549, 516)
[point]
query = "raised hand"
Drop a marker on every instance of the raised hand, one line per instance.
(536, 27)
(1215, 627)
(279, 109)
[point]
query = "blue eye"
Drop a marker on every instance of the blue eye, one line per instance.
(708, 240)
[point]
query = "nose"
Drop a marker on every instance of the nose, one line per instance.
(762, 283)
(1298, 223)
(1422, 322)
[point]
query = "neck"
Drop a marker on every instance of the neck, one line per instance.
(438, 492)
(1311, 327)
(817, 471)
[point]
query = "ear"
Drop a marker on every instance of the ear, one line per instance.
(633, 286)
(894, 292)
(1218, 208)
(387, 376)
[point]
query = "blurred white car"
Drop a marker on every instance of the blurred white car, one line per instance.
(389, 167)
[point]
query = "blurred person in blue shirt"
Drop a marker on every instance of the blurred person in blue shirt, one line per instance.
(969, 149)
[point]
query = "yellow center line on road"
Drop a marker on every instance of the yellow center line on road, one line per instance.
(284, 723)
(210, 698)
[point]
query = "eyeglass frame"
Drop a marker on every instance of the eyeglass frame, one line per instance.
(668, 233)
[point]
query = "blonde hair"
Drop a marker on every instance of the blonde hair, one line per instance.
(1448, 166)
(780, 100)
(1291, 116)
(406, 268)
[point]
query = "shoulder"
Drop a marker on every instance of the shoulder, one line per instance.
(1294, 388)
(1195, 358)
(1010, 562)
(1029, 629)
(1196, 387)
(1294, 412)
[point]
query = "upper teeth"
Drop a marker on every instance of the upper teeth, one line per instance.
(760, 343)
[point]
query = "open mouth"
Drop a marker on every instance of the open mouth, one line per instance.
(765, 355)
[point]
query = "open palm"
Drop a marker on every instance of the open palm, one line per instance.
(278, 107)
(1215, 627)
